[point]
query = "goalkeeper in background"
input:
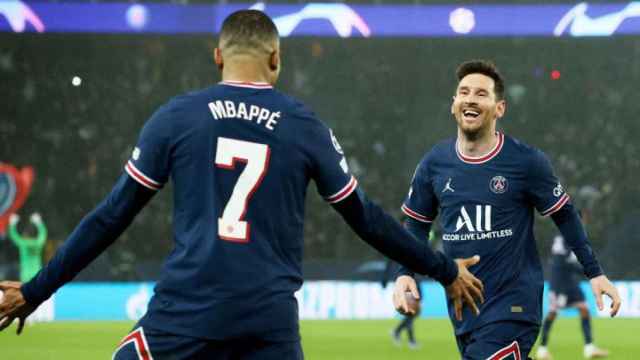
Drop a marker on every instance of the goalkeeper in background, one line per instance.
(30, 248)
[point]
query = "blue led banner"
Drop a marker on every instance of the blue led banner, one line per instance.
(317, 300)
(329, 19)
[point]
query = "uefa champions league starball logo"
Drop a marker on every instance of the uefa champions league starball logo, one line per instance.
(498, 184)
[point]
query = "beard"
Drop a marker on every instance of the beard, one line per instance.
(473, 133)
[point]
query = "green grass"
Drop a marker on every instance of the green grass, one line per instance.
(321, 340)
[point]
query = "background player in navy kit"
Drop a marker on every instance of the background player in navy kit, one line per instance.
(240, 156)
(407, 322)
(565, 292)
(485, 185)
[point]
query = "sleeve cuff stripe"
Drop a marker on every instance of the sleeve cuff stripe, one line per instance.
(344, 192)
(414, 215)
(138, 176)
(557, 206)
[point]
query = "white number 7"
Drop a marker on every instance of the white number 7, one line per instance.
(256, 156)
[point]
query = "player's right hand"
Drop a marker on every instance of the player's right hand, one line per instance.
(14, 218)
(602, 286)
(13, 305)
(403, 284)
(466, 288)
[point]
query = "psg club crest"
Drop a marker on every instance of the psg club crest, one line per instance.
(498, 184)
(15, 185)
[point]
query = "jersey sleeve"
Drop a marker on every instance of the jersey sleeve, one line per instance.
(545, 191)
(149, 163)
(330, 169)
(421, 203)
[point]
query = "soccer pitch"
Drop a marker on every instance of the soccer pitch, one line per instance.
(333, 339)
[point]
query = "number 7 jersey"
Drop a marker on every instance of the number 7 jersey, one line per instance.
(240, 157)
(486, 207)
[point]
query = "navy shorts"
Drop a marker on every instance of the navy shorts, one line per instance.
(144, 344)
(503, 340)
(560, 299)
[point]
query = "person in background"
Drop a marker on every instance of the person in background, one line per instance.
(565, 292)
(30, 248)
(406, 324)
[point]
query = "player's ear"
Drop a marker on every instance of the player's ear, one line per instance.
(501, 108)
(453, 101)
(274, 60)
(217, 57)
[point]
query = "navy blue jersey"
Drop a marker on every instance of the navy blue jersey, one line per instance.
(486, 207)
(240, 157)
(566, 271)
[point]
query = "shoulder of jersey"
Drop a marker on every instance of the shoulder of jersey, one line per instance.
(298, 113)
(186, 100)
(296, 106)
(440, 149)
(189, 101)
(517, 146)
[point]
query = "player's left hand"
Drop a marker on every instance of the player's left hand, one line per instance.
(601, 285)
(13, 305)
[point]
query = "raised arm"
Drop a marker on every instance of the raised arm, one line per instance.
(36, 220)
(14, 235)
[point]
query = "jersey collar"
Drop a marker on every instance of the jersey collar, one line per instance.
(247, 84)
(483, 158)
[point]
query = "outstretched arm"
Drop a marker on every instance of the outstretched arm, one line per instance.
(90, 238)
(568, 222)
(385, 234)
(420, 230)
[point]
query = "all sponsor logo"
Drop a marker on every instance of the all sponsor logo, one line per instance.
(476, 225)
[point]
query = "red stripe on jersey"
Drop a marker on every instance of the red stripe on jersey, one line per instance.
(557, 206)
(140, 341)
(414, 215)
(138, 176)
(344, 192)
(247, 84)
(484, 158)
(513, 349)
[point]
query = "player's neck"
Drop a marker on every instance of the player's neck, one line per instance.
(245, 72)
(477, 146)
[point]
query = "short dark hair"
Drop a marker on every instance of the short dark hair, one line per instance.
(248, 30)
(484, 67)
